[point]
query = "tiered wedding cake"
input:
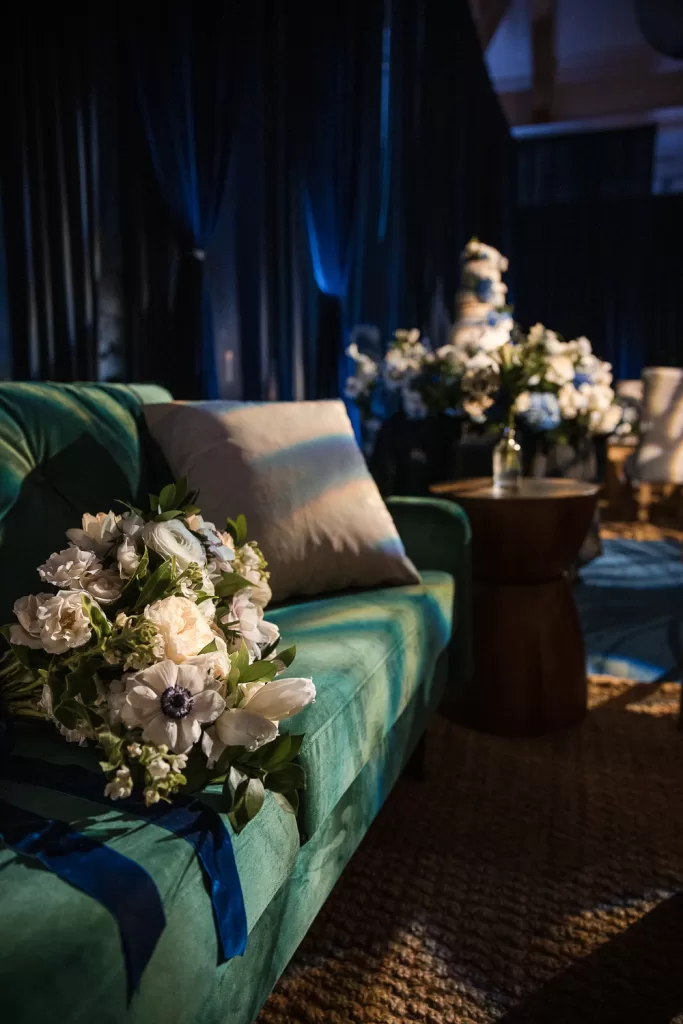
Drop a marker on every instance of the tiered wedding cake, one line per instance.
(481, 316)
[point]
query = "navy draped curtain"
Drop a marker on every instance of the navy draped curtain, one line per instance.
(306, 166)
(186, 62)
(50, 178)
(586, 242)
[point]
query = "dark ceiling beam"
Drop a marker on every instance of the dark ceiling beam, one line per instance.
(544, 60)
(488, 15)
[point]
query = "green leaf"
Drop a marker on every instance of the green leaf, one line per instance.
(191, 510)
(248, 801)
(287, 656)
(259, 671)
(81, 682)
(164, 517)
(240, 660)
(285, 778)
(181, 489)
(230, 583)
(233, 780)
(167, 499)
(237, 528)
(155, 586)
(278, 752)
(210, 648)
(289, 802)
(98, 620)
(154, 502)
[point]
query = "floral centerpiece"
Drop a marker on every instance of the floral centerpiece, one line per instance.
(152, 644)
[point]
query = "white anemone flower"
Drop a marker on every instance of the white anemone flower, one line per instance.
(171, 702)
(262, 706)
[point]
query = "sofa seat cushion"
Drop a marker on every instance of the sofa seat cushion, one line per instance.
(49, 927)
(368, 653)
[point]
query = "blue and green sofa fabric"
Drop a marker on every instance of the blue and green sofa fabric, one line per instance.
(379, 663)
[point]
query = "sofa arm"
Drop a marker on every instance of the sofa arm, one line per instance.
(436, 535)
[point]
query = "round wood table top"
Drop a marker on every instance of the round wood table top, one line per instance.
(481, 489)
(527, 535)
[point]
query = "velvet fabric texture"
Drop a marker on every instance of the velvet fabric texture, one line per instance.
(294, 469)
(66, 450)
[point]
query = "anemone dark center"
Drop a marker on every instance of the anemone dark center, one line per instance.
(176, 702)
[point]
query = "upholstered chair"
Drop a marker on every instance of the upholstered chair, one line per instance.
(658, 459)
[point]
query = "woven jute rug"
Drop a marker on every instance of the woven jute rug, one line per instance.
(525, 880)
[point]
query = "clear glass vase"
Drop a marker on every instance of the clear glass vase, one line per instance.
(507, 463)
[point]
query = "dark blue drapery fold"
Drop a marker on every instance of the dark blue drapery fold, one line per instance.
(185, 61)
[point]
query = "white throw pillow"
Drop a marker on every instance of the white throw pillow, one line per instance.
(296, 472)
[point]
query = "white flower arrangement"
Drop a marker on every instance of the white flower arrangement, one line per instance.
(155, 647)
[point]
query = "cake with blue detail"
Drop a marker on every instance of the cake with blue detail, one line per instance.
(481, 311)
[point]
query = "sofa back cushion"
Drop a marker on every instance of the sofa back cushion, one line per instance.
(296, 472)
(66, 449)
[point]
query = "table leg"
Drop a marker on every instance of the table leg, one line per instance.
(530, 669)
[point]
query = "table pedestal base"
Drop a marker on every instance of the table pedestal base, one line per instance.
(530, 668)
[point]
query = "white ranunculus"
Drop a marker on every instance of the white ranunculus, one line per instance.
(106, 587)
(572, 401)
(183, 630)
(250, 624)
(174, 540)
(127, 557)
(262, 707)
(99, 533)
(63, 622)
(171, 703)
(522, 403)
(70, 568)
(560, 370)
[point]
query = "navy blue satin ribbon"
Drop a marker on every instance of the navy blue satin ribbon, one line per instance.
(117, 882)
(186, 818)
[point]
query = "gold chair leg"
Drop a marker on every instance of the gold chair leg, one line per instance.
(644, 502)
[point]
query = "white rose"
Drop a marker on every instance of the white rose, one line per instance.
(70, 568)
(183, 630)
(173, 539)
(98, 532)
(572, 401)
(560, 370)
(105, 587)
(63, 622)
(27, 633)
(600, 397)
(605, 421)
(522, 403)
(127, 557)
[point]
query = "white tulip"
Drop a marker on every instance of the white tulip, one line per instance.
(255, 721)
(173, 540)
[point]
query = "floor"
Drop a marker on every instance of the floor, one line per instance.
(528, 880)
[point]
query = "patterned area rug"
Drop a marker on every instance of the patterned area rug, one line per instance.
(526, 880)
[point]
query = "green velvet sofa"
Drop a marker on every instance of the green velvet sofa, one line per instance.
(381, 661)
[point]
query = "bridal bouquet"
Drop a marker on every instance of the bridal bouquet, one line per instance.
(153, 645)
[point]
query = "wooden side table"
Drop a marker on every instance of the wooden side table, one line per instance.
(530, 665)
